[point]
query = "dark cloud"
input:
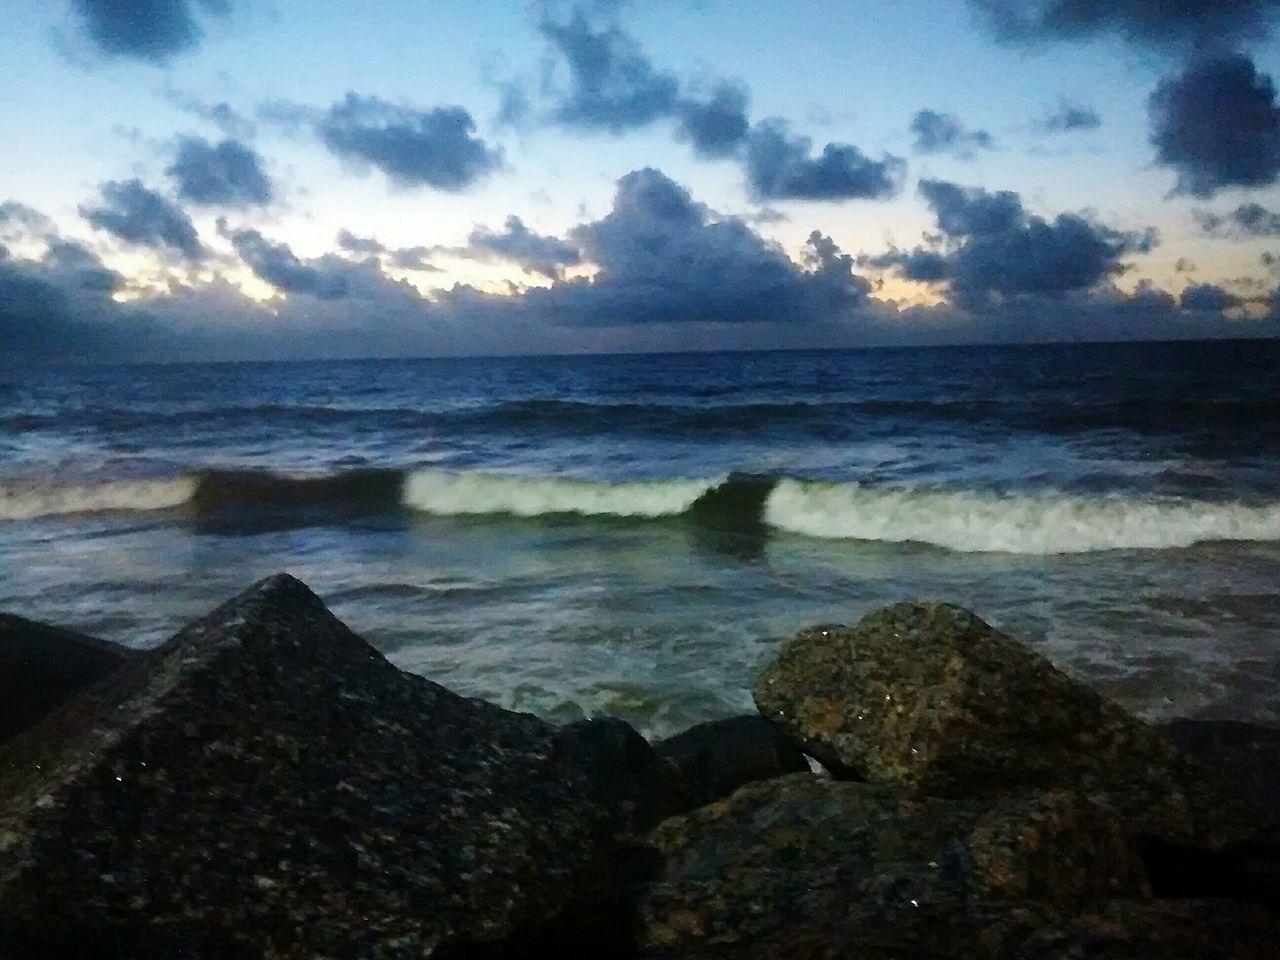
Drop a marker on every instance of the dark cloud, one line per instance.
(349, 241)
(434, 148)
(226, 174)
(1184, 265)
(324, 278)
(927, 266)
(717, 126)
(944, 133)
(151, 30)
(1246, 220)
(613, 86)
(780, 167)
(1149, 23)
(534, 252)
(663, 257)
(1071, 117)
(994, 247)
(75, 264)
(414, 258)
(140, 216)
(1207, 297)
(1217, 125)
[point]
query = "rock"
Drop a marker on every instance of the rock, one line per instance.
(1247, 755)
(803, 866)
(267, 785)
(928, 696)
(42, 666)
(1164, 929)
(713, 759)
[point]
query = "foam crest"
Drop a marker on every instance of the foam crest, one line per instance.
(451, 494)
(974, 522)
(19, 501)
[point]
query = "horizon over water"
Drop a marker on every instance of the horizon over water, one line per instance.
(633, 534)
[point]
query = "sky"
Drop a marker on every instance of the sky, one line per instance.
(255, 179)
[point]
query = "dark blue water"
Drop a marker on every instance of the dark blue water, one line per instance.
(633, 534)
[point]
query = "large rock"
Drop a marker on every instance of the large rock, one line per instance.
(803, 866)
(1246, 755)
(266, 784)
(928, 696)
(42, 666)
(711, 760)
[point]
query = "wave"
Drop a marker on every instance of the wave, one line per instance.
(960, 520)
(24, 501)
(973, 522)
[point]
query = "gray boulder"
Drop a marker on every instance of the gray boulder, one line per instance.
(42, 666)
(929, 697)
(266, 784)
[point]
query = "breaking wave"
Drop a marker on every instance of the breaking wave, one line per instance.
(961, 520)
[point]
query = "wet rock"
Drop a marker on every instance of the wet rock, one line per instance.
(42, 666)
(266, 784)
(713, 759)
(928, 696)
(1247, 755)
(803, 866)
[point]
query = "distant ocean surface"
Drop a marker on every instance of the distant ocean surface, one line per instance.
(633, 535)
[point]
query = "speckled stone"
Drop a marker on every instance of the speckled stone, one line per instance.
(928, 696)
(803, 866)
(42, 666)
(266, 784)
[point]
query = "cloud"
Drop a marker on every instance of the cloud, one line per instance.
(325, 278)
(414, 258)
(995, 248)
(413, 148)
(1159, 24)
(1070, 118)
(349, 241)
(717, 126)
(1246, 220)
(227, 174)
(780, 167)
(663, 257)
(143, 217)
(944, 133)
(148, 30)
(1207, 297)
(613, 86)
(230, 122)
(533, 252)
(1217, 125)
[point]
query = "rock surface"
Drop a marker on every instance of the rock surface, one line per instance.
(804, 866)
(42, 666)
(928, 696)
(1247, 755)
(713, 759)
(267, 785)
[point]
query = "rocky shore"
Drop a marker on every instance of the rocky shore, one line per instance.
(266, 785)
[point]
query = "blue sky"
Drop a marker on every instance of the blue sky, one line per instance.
(178, 172)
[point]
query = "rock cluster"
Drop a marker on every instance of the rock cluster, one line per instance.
(267, 785)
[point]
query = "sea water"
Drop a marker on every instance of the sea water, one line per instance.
(633, 535)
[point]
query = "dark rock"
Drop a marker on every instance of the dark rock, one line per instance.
(1247, 755)
(928, 696)
(1163, 929)
(266, 784)
(42, 666)
(803, 866)
(711, 760)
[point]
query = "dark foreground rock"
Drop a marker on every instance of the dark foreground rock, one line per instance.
(1246, 755)
(713, 759)
(809, 867)
(928, 696)
(267, 785)
(42, 666)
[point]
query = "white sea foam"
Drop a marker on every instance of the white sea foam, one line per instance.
(440, 492)
(22, 501)
(975, 522)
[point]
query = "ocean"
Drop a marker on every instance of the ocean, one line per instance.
(633, 535)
